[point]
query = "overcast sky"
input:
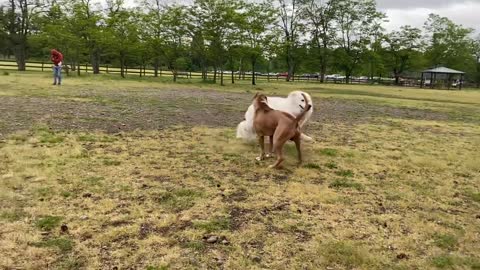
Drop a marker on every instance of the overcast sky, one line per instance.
(415, 12)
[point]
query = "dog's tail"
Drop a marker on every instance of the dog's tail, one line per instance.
(307, 108)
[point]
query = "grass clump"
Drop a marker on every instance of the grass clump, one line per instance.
(328, 152)
(216, 224)
(344, 173)
(12, 215)
(48, 223)
(111, 162)
(345, 183)
(179, 199)
(63, 244)
(331, 165)
(445, 241)
(345, 254)
(312, 166)
(443, 261)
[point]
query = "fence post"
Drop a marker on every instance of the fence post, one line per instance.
(42, 65)
(107, 69)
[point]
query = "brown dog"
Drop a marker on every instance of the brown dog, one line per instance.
(279, 126)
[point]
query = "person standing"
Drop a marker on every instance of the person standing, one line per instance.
(57, 58)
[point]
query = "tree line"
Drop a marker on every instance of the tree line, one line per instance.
(292, 36)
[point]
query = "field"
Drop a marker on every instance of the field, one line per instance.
(103, 173)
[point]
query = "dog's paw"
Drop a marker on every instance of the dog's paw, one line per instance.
(259, 158)
(269, 155)
(271, 167)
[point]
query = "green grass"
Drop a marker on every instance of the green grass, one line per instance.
(345, 183)
(445, 241)
(48, 223)
(60, 243)
(213, 225)
(126, 164)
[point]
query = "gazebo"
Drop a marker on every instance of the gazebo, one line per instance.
(441, 73)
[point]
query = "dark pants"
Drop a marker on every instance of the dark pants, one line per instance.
(57, 74)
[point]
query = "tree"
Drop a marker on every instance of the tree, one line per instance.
(449, 44)
(402, 46)
(175, 32)
(320, 16)
(151, 30)
(20, 16)
(356, 22)
(291, 25)
(257, 25)
(121, 33)
(216, 22)
(476, 51)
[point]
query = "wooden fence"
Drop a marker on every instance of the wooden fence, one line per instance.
(149, 71)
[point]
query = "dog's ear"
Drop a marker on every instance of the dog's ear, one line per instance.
(256, 95)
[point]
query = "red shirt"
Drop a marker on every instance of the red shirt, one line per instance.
(57, 57)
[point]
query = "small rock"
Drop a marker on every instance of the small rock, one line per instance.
(256, 259)
(44, 233)
(212, 239)
(83, 217)
(64, 228)
(402, 256)
(225, 242)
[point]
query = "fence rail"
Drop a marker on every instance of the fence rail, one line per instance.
(149, 71)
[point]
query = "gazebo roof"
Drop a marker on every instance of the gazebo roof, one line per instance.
(443, 70)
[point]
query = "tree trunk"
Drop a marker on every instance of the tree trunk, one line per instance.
(95, 59)
(253, 71)
(221, 77)
(155, 67)
(397, 79)
(240, 69)
(20, 56)
(215, 74)
(478, 71)
(233, 77)
(174, 75)
(323, 70)
(122, 66)
(78, 68)
(268, 71)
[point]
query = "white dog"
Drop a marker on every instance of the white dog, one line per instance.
(294, 104)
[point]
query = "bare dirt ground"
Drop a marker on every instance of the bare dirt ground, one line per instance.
(153, 110)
